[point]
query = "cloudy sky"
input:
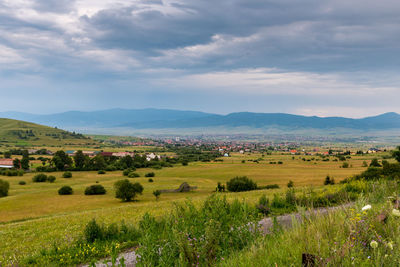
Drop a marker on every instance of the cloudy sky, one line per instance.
(312, 57)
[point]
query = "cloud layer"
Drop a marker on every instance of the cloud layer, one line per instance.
(331, 56)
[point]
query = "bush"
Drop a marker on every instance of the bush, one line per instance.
(22, 183)
(133, 175)
(96, 232)
(4, 187)
(157, 194)
(51, 178)
(375, 163)
(39, 178)
(345, 165)
(269, 186)
(263, 205)
(150, 174)
(67, 175)
(95, 189)
(150, 180)
(93, 231)
(290, 184)
(101, 172)
(65, 190)
(239, 184)
(127, 191)
(329, 181)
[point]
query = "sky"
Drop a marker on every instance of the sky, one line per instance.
(309, 57)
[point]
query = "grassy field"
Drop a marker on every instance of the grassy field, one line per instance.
(34, 216)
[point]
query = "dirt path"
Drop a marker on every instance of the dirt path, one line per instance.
(265, 224)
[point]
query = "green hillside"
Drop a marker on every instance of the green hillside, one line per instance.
(22, 133)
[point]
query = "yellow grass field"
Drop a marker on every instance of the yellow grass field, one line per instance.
(34, 216)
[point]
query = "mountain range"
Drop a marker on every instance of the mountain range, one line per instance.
(176, 119)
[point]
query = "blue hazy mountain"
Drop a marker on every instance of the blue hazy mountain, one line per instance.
(177, 119)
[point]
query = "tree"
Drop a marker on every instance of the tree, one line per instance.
(98, 162)
(25, 160)
(127, 191)
(241, 183)
(329, 181)
(17, 163)
(4, 186)
(375, 163)
(7, 154)
(396, 154)
(126, 162)
(61, 160)
(157, 194)
(79, 159)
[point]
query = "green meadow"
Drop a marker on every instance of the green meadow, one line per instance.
(34, 216)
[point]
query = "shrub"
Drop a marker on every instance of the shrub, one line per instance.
(290, 184)
(375, 163)
(345, 165)
(263, 205)
(126, 172)
(67, 175)
(39, 178)
(96, 232)
(150, 174)
(364, 164)
(22, 183)
(4, 187)
(241, 183)
(150, 180)
(133, 175)
(329, 180)
(269, 186)
(65, 190)
(220, 187)
(93, 231)
(51, 178)
(101, 172)
(157, 194)
(127, 191)
(95, 189)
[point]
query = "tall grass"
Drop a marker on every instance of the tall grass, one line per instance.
(340, 238)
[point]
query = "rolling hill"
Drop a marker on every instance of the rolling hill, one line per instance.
(15, 132)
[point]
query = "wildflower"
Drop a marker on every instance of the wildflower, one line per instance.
(390, 245)
(396, 212)
(366, 207)
(373, 244)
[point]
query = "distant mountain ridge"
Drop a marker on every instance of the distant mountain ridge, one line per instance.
(176, 119)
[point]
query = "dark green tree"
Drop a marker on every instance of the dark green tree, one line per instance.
(127, 191)
(17, 163)
(98, 162)
(396, 154)
(7, 154)
(61, 160)
(79, 159)
(25, 160)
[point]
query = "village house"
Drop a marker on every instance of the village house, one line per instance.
(123, 154)
(6, 163)
(152, 156)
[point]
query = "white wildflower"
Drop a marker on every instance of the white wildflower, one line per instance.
(373, 244)
(366, 207)
(396, 212)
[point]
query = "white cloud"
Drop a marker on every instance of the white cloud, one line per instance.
(261, 81)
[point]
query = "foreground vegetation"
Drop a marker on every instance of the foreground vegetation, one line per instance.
(37, 233)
